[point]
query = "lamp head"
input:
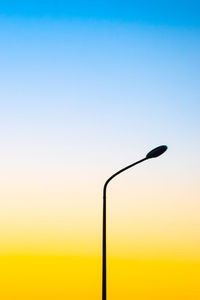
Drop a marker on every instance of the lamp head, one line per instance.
(157, 151)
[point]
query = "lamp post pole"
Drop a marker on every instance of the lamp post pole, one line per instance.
(153, 153)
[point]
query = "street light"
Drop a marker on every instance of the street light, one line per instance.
(153, 153)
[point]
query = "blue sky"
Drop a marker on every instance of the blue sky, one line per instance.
(99, 80)
(172, 13)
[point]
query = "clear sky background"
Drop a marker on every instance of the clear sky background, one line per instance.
(85, 89)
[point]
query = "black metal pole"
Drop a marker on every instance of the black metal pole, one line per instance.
(104, 264)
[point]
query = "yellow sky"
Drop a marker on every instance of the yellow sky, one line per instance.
(73, 277)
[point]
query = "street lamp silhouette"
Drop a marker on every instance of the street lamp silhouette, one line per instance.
(153, 153)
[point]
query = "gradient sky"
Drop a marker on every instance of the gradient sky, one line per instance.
(86, 88)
